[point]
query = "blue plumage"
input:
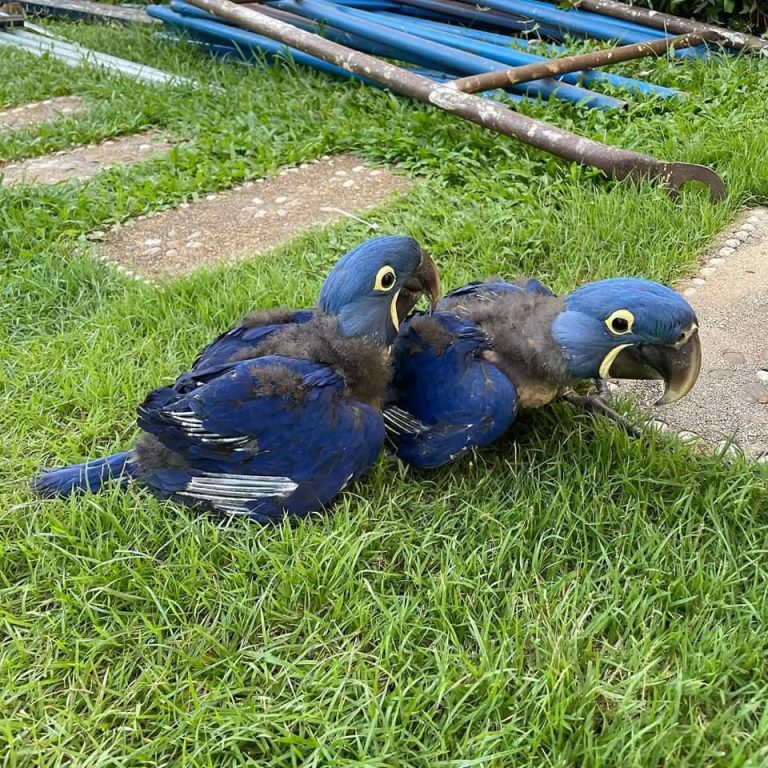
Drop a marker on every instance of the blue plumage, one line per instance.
(659, 317)
(461, 399)
(89, 476)
(493, 287)
(495, 347)
(269, 436)
(238, 343)
(279, 414)
(231, 343)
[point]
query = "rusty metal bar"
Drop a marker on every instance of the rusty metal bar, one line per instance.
(85, 10)
(516, 75)
(670, 23)
(617, 163)
(591, 60)
(477, 12)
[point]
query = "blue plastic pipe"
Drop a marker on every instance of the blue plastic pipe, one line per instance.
(438, 11)
(216, 33)
(227, 48)
(358, 43)
(532, 21)
(504, 53)
(230, 52)
(330, 33)
(590, 17)
(574, 22)
(444, 58)
(497, 38)
(472, 13)
(505, 40)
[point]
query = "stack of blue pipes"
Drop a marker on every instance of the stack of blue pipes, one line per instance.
(439, 39)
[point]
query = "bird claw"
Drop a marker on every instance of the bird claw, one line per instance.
(595, 404)
(604, 390)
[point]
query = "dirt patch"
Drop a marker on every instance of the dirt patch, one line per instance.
(730, 296)
(84, 162)
(250, 219)
(39, 112)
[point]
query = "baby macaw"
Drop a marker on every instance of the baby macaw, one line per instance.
(278, 415)
(489, 349)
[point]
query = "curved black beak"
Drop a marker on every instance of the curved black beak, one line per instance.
(678, 366)
(424, 280)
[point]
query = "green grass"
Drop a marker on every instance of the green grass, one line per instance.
(568, 597)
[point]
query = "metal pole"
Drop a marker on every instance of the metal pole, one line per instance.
(516, 52)
(75, 56)
(669, 23)
(85, 10)
(617, 163)
(554, 67)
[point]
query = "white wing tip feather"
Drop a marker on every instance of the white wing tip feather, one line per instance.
(231, 493)
(400, 422)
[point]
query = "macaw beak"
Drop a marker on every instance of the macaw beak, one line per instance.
(677, 365)
(424, 280)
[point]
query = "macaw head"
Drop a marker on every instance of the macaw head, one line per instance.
(628, 328)
(372, 288)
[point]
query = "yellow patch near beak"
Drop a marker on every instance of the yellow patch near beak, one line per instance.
(686, 336)
(605, 366)
(393, 311)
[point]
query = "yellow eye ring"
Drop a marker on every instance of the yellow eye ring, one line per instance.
(385, 279)
(620, 322)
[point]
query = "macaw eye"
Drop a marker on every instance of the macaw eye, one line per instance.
(620, 322)
(385, 279)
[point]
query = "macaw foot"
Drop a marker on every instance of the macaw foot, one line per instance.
(604, 390)
(595, 404)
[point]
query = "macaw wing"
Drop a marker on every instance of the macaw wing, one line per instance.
(487, 289)
(234, 343)
(266, 436)
(446, 395)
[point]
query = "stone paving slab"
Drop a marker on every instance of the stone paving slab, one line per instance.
(728, 406)
(84, 162)
(248, 220)
(39, 112)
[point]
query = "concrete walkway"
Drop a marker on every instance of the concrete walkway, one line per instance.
(729, 404)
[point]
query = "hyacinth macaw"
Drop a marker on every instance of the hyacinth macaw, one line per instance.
(490, 349)
(279, 414)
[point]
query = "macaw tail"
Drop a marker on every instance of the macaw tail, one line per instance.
(90, 476)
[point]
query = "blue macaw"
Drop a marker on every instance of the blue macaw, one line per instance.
(278, 415)
(492, 348)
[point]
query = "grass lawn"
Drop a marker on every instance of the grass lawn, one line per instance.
(567, 598)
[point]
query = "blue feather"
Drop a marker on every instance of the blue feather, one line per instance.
(456, 398)
(257, 449)
(480, 288)
(231, 345)
(90, 476)
(445, 402)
